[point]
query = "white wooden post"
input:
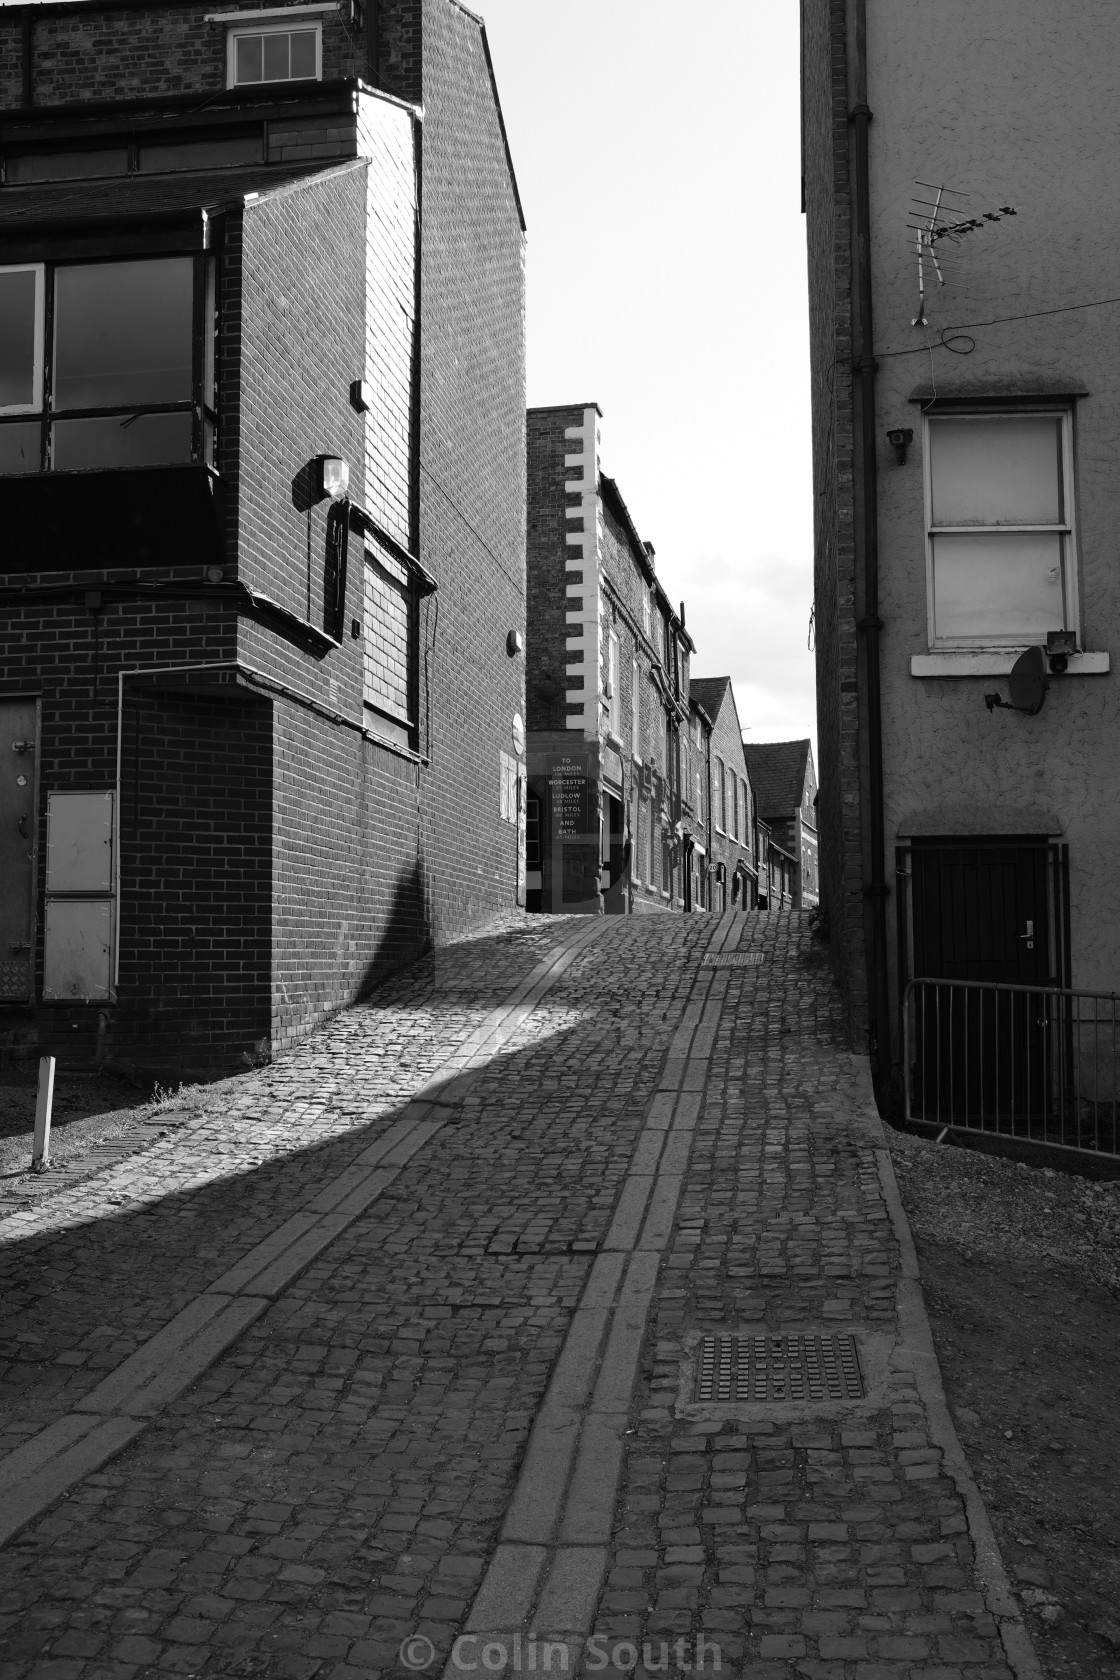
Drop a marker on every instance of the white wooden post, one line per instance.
(41, 1148)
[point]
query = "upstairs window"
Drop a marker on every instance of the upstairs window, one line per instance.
(1000, 528)
(121, 377)
(275, 52)
(21, 338)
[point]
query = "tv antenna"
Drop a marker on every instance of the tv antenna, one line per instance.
(934, 220)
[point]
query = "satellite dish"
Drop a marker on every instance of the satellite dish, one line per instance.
(1027, 682)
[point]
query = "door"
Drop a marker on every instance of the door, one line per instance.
(617, 857)
(981, 911)
(18, 758)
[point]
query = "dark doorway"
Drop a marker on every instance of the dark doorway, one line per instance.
(988, 911)
(616, 897)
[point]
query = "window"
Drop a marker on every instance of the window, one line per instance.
(721, 797)
(635, 712)
(1000, 534)
(120, 378)
(275, 52)
(699, 798)
(389, 649)
(532, 832)
(614, 697)
(645, 614)
(733, 801)
(651, 839)
(21, 339)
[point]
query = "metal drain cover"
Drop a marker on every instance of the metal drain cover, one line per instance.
(734, 959)
(736, 1368)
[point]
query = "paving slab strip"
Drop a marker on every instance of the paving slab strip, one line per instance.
(113, 1414)
(915, 1352)
(546, 1576)
(551, 1559)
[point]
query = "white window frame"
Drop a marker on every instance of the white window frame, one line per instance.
(719, 815)
(35, 406)
(1066, 529)
(635, 711)
(290, 25)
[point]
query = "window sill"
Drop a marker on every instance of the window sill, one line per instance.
(996, 663)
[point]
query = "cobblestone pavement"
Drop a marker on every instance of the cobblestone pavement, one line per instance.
(471, 1416)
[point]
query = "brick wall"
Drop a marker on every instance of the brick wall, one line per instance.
(547, 654)
(71, 657)
(645, 795)
(386, 139)
(827, 201)
(140, 52)
(472, 474)
(196, 878)
(302, 342)
(327, 296)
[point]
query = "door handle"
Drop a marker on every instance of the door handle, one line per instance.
(22, 826)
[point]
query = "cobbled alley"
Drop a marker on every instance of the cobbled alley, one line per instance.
(554, 1311)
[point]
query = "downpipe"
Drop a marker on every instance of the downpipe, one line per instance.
(869, 625)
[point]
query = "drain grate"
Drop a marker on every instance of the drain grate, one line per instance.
(734, 1368)
(734, 959)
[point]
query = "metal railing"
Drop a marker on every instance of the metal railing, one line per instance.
(1038, 1064)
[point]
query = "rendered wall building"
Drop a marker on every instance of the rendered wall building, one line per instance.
(966, 418)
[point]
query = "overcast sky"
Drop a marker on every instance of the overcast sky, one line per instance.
(657, 151)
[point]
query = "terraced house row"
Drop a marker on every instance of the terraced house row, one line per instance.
(265, 627)
(639, 790)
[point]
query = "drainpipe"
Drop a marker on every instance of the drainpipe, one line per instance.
(373, 41)
(867, 554)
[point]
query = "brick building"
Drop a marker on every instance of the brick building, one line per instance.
(965, 496)
(727, 797)
(785, 787)
(611, 818)
(237, 258)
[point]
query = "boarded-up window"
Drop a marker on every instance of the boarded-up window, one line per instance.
(389, 648)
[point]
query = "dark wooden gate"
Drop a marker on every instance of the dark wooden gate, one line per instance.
(990, 911)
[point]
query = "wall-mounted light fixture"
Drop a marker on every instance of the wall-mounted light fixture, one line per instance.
(334, 477)
(900, 438)
(515, 641)
(361, 395)
(1060, 646)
